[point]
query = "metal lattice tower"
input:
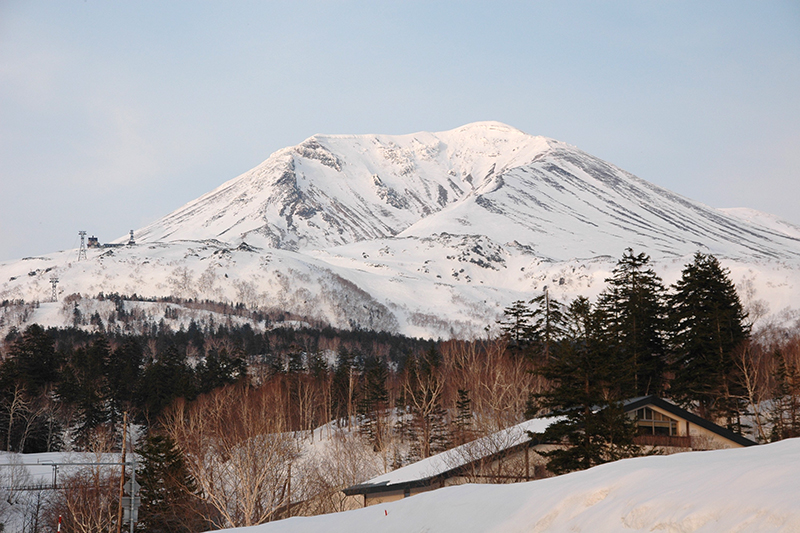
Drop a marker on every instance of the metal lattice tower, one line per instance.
(131, 242)
(82, 249)
(54, 283)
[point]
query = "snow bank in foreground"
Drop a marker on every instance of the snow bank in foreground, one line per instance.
(742, 490)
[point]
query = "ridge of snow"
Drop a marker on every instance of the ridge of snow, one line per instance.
(766, 220)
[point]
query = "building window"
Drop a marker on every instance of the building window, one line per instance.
(652, 422)
(406, 492)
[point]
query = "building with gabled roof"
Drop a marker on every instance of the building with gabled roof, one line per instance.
(663, 424)
(510, 456)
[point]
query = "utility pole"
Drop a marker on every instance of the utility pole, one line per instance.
(122, 477)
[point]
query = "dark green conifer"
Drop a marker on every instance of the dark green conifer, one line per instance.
(547, 323)
(167, 490)
(708, 325)
(164, 380)
(584, 395)
(374, 405)
(632, 319)
(463, 420)
(517, 324)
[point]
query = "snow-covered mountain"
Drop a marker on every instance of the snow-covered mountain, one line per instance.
(481, 179)
(428, 234)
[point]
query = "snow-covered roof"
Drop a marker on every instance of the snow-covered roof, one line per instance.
(453, 459)
(457, 457)
(743, 489)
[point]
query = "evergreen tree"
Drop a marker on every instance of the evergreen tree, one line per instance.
(317, 366)
(374, 404)
(164, 380)
(583, 395)
(708, 324)
(85, 387)
(346, 386)
(295, 365)
(517, 324)
(547, 323)
(632, 315)
(167, 489)
(463, 420)
(123, 373)
(27, 407)
(37, 363)
(219, 369)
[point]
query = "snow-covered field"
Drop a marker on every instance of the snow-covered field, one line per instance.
(752, 489)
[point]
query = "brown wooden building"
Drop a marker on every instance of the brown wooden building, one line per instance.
(510, 456)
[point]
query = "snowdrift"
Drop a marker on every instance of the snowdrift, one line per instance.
(744, 490)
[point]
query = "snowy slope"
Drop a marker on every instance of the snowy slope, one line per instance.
(484, 178)
(775, 224)
(427, 234)
(744, 490)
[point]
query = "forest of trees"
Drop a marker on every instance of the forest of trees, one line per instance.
(213, 406)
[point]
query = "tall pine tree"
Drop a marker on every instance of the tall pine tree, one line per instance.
(591, 424)
(167, 490)
(517, 324)
(632, 315)
(374, 404)
(547, 324)
(708, 324)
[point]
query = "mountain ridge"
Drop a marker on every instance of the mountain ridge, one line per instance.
(332, 190)
(427, 234)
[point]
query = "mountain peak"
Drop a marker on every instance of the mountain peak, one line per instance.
(487, 126)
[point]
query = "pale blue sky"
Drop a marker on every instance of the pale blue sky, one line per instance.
(113, 114)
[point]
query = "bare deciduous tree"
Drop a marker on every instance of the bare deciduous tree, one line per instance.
(754, 371)
(344, 461)
(14, 479)
(499, 384)
(88, 497)
(236, 449)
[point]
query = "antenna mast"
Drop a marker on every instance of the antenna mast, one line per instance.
(82, 249)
